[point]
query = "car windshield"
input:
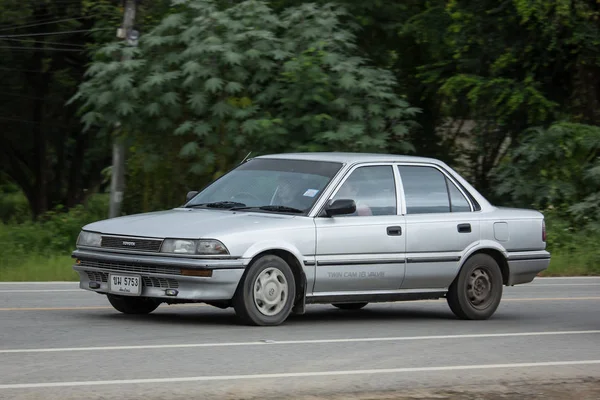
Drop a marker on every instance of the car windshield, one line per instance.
(270, 185)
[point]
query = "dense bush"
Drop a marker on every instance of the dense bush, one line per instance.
(574, 247)
(557, 169)
(54, 233)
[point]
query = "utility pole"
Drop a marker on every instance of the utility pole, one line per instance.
(117, 182)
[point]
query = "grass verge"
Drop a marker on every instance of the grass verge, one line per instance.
(38, 268)
(580, 263)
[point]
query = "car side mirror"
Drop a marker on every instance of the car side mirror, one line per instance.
(190, 195)
(340, 207)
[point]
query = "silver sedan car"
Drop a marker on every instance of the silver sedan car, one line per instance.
(282, 231)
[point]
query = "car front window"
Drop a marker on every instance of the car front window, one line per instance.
(273, 185)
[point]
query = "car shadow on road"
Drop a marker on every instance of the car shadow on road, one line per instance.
(211, 316)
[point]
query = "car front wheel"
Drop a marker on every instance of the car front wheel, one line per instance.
(266, 293)
(476, 293)
(132, 305)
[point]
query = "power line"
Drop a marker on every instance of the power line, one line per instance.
(28, 121)
(16, 26)
(39, 49)
(21, 70)
(45, 23)
(19, 120)
(43, 42)
(48, 96)
(55, 33)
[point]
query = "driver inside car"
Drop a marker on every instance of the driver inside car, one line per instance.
(286, 194)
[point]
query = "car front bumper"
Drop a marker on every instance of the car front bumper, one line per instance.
(169, 278)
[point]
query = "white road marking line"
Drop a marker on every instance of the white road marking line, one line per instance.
(306, 341)
(548, 298)
(298, 374)
(555, 285)
(40, 290)
(564, 277)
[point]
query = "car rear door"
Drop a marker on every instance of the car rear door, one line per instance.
(441, 224)
(364, 251)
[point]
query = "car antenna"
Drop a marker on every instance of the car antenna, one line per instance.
(247, 155)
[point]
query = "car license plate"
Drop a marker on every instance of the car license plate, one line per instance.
(130, 285)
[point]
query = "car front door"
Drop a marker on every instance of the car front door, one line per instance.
(363, 251)
(440, 225)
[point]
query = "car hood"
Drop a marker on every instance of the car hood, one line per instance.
(187, 223)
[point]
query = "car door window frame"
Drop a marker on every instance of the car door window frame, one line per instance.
(449, 180)
(331, 195)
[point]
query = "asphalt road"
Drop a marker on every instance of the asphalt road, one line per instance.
(60, 342)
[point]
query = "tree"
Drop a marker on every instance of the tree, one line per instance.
(555, 169)
(513, 65)
(44, 48)
(226, 81)
(403, 36)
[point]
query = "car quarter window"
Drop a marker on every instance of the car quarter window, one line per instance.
(458, 202)
(373, 188)
(427, 190)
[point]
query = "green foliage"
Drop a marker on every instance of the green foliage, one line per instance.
(14, 207)
(40, 250)
(556, 168)
(505, 67)
(54, 233)
(574, 247)
(246, 78)
(37, 268)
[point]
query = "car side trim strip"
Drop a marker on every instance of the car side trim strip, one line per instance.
(432, 259)
(531, 257)
(340, 263)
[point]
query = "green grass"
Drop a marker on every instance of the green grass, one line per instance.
(579, 263)
(38, 268)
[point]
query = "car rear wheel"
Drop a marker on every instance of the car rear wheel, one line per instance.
(349, 306)
(476, 292)
(132, 305)
(266, 293)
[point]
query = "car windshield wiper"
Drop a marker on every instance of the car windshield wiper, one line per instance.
(271, 208)
(218, 204)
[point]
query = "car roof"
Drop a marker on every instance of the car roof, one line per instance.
(349, 157)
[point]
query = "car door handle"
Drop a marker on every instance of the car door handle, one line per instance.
(394, 230)
(464, 228)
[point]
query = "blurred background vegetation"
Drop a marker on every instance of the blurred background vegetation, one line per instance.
(506, 92)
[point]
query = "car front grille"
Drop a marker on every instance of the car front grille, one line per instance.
(135, 268)
(148, 281)
(129, 243)
(97, 276)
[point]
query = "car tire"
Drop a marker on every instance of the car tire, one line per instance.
(476, 292)
(266, 293)
(132, 305)
(349, 306)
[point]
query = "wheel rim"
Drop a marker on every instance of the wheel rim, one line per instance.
(270, 291)
(480, 288)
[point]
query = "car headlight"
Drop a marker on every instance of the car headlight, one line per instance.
(187, 246)
(89, 239)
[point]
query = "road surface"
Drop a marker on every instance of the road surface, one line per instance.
(60, 342)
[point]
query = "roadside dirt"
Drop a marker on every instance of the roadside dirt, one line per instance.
(583, 389)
